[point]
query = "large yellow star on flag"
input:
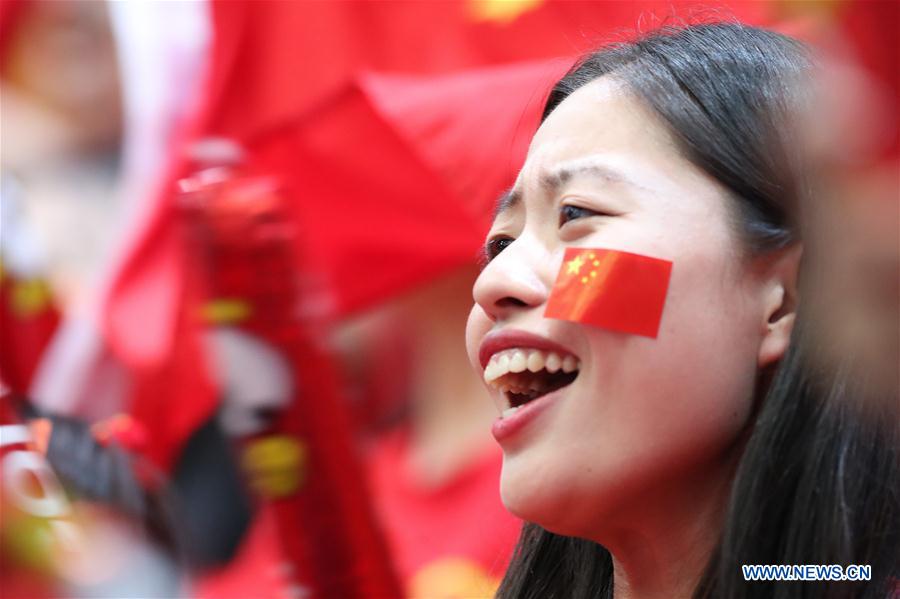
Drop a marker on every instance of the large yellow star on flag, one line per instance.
(574, 265)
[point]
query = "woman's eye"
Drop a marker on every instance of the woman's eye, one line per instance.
(569, 212)
(496, 245)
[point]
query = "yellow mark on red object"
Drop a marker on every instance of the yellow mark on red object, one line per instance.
(501, 11)
(574, 265)
(825, 9)
(452, 578)
(275, 465)
(226, 311)
(29, 297)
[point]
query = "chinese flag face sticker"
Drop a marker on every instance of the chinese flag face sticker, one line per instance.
(614, 290)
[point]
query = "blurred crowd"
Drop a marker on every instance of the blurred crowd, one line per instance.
(237, 246)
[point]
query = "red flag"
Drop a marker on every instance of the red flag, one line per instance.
(615, 290)
(275, 60)
(393, 178)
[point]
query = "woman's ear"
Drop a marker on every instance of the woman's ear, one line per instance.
(780, 304)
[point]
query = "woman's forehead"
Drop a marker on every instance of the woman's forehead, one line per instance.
(601, 138)
(600, 118)
(588, 107)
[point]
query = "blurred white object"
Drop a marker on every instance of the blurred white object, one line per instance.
(254, 377)
(19, 248)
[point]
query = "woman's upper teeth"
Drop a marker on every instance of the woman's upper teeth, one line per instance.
(522, 359)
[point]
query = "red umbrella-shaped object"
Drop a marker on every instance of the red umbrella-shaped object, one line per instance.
(395, 176)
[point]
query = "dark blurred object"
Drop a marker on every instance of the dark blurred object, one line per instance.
(215, 508)
(94, 472)
(78, 519)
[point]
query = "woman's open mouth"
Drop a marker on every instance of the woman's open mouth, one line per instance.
(524, 374)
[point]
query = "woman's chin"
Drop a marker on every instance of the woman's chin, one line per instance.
(535, 499)
(523, 498)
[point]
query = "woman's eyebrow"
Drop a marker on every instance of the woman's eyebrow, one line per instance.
(506, 201)
(558, 176)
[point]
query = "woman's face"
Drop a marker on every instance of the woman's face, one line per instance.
(642, 414)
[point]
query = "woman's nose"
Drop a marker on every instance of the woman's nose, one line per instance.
(514, 281)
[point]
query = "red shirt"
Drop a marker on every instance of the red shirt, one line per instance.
(454, 540)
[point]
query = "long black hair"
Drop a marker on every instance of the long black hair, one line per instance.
(818, 480)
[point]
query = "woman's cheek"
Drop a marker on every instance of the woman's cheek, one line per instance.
(655, 408)
(694, 384)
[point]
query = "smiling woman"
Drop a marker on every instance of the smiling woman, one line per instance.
(654, 460)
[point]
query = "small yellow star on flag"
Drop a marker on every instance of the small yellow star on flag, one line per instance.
(574, 265)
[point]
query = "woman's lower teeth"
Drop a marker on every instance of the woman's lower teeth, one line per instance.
(509, 412)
